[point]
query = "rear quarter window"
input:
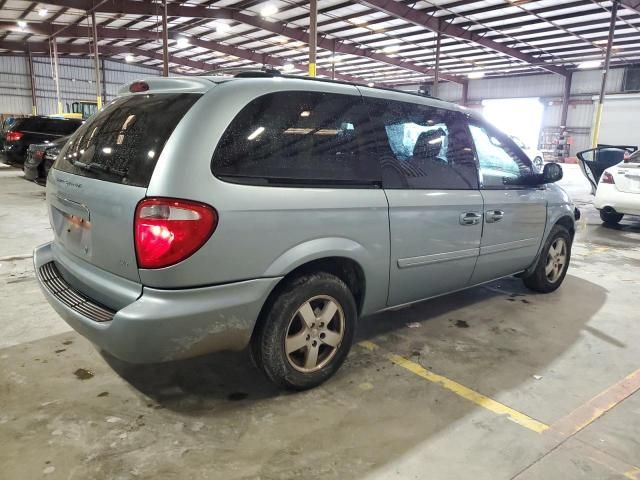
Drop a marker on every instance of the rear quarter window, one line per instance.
(123, 141)
(295, 137)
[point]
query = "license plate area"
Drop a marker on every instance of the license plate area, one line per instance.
(72, 231)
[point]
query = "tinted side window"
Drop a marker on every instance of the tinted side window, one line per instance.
(423, 147)
(498, 156)
(30, 124)
(60, 127)
(292, 137)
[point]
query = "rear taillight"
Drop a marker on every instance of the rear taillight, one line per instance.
(607, 178)
(13, 136)
(168, 231)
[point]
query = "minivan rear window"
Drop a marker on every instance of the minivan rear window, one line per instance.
(122, 143)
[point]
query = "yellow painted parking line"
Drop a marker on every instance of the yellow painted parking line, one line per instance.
(460, 390)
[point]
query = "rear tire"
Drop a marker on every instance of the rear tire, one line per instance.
(553, 263)
(611, 218)
(306, 331)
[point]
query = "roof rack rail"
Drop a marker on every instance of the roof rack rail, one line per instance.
(242, 72)
(344, 82)
(248, 72)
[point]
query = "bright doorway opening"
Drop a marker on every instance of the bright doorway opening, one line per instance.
(519, 117)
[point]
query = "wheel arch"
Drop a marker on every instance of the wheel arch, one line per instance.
(564, 219)
(343, 267)
(567, 222)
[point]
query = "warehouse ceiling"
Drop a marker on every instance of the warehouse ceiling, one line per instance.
(386, 42)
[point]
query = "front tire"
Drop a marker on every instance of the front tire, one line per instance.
(611, 218)
(553, 263)
(306, 331)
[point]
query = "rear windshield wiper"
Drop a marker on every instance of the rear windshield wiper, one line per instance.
(96, 167)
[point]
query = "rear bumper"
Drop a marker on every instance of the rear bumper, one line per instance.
(622, 202)
(10, 157)
(30, 171)
(164, 325)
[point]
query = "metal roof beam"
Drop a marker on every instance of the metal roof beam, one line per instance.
(631, 5)
(75, 48)
(175, 10)
(404, 12)
(103, 32)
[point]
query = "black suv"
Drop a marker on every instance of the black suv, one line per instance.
(26, 131)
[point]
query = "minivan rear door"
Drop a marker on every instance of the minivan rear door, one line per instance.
(103, 172)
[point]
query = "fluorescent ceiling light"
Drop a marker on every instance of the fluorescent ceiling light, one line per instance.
(590, 64)
(288, 67)
(22, 24)
(43, 12)
(268, 10)
(129, 58)
(306, 113)
(391, 48)
(370, 84)
(475, 74)
(183, 42)
(255, 133)
(222, 27)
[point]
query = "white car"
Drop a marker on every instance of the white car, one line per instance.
(616, 187)
(534, 154)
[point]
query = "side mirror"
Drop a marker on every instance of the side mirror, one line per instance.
(551, 173)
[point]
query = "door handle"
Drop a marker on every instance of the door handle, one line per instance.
(470, 218)
(493, 216)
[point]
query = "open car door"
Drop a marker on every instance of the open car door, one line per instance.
(596, 160)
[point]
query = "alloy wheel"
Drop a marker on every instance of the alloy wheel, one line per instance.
(556, 260)
(314, 334)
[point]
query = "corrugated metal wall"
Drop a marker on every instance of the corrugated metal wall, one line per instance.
(15, 91)
(516, 87)
(584, 86)
(546, 85)
(77, 82)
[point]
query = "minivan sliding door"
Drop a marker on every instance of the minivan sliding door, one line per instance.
(435, 208)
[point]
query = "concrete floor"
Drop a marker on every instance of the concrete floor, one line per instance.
(542, 358)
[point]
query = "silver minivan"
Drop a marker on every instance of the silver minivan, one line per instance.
(200, 214)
